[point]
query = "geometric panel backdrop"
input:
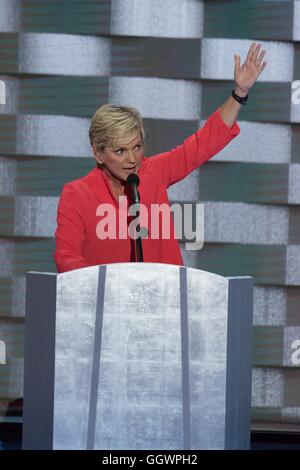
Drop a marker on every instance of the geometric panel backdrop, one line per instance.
(173, 60)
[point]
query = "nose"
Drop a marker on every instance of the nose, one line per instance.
(131, 157)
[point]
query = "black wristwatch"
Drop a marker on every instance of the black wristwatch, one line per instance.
(239, 99)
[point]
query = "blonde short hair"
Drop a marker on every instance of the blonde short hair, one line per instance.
(111, 123)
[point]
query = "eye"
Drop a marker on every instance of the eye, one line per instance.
(138, 146)
(119, 150)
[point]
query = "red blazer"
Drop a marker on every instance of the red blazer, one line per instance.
(77, 243)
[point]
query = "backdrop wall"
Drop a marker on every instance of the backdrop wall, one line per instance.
(173, 60)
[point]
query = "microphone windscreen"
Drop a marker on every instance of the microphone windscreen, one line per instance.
(133, 179)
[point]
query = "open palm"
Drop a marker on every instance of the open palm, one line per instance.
(246, 75)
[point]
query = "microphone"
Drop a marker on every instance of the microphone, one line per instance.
(133, 181)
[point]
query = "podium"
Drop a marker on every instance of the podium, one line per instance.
(137, 356)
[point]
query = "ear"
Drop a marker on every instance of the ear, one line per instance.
(97, 153)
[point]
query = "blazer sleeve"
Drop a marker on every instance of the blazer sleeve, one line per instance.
(70, 232)
(176, 164)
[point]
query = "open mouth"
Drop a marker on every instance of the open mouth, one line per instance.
(130, 169)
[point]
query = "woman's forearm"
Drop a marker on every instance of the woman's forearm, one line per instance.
(230, 109)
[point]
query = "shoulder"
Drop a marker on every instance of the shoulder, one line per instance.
(80, 184)
(150, 162)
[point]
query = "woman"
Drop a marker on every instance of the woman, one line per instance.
(117, 139)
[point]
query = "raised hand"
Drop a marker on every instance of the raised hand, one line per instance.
(246, 75)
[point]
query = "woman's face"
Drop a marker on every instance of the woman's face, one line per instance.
(122, 159)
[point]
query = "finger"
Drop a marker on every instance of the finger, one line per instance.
(237, 60)
(255, 53)
(260, 58)
(251, 50)
(252, 47)
(261, 68)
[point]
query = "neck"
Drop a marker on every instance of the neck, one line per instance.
(117, 184)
